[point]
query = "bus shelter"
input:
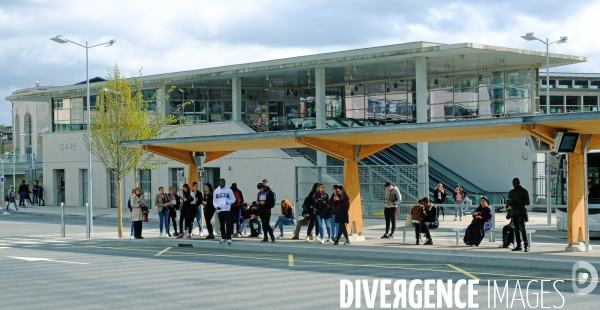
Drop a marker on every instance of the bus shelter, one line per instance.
(353, 144)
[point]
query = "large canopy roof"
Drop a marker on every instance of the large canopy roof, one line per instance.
(541, 126)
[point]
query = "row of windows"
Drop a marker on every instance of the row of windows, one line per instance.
(562, 104)
(565, 83)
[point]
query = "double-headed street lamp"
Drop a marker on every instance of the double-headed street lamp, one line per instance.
(62, 40)
(530, 37)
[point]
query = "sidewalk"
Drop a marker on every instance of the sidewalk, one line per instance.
(549, 256)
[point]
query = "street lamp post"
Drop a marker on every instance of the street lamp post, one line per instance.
(530, 37)
(62, 40)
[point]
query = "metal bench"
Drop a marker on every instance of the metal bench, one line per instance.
(492, 234)
(456, 230)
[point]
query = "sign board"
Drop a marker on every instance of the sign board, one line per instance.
(2, 179)
(565, 142)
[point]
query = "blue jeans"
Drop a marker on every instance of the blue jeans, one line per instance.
(283, 221)
(35, 199)
(13, 202)
(235, 218)
(163, 217)
(132, 228)
(22, 198)
(199, 218)
(335, 227)
(328, 223)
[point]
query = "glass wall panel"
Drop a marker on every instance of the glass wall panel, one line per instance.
(565, 83)
(516, 107)
(556, 104)
(590, 103)
(375, 88)
(441, 96)
(573, 103)
(486, 108)
(146, 185)
(581, 84)
(595, 84)
(84, 185)
(441, 82)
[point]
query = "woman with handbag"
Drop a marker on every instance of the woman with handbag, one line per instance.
(137, 202)
(322, 212)
(482, 221)
(161, 201)
(343, 206)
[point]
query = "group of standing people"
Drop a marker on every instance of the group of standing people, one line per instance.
(320, 211)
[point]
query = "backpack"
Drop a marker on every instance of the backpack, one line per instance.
(274, 197)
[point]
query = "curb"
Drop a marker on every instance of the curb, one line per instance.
(78, 216)
(453, 257)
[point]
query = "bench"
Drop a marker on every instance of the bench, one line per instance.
(492, 234)
(458, 230)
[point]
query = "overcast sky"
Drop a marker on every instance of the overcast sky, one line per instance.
(177, 35)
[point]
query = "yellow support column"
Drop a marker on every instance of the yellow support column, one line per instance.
(352, 187)
(576, 202)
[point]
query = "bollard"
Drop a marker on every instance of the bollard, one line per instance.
(62, 219)
(549, 216)
(90, 218)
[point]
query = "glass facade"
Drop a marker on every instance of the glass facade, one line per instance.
(28, 135)
(17, 136)
(84, 185)
(146, 186)
(570, 103)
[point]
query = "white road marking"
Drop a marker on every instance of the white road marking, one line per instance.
(40, 259)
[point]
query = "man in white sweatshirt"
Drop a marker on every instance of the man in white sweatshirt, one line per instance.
(223, 197)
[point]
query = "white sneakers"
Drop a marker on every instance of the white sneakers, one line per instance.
(131, 237)
(202, 234)
(229, 241)
(280, 237)
(307, 239)
(222, 241)
(320, 240)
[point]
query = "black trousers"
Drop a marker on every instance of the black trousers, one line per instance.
(225, 223)
(137, 229)
(41, 201)
(265, 218)
(342, 230)
(254, 232)
(519, 222)
(188, 219)
(508, 235)
(312, 222)
(173, 217)
(390, 217)
(208, 215)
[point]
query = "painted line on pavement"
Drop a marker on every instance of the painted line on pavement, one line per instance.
(163, 251)
(543, 236)
(466, 273)
(291, 260)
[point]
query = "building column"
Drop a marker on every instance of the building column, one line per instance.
(320, 110)
(577, 193)
(236, 105)
(422, 107)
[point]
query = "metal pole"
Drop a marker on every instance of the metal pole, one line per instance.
(549, 215)
(88, 214)
(547, 77)
(62, 219)
(548, 159)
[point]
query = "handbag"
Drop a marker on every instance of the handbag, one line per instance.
(487, 226)
(326, 213)
(435, 224)
(145, 210)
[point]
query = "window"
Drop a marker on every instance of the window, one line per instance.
(573, 103)
(113, 191)
(17, 136)
(581, 84)
(149, 96)
(565, 83)
(28, 134)
(84, 185)
(590, 103)
(595, 84)
(177, 178)
(146, 185)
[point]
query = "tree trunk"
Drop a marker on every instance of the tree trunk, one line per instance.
(119, 210)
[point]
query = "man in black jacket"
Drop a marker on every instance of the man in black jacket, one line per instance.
(518, 198)
(265, 200)
(23, 192)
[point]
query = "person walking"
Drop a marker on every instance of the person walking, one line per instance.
(518, 198)
(209, 209)
(236, 209)
(439, 197)
(198, 204)
(459, 195)
(11, 198)
(265, 199)
(137, 202)
(333, 204)
(223, 197)
(161, 201)
(188, 211)
(343, 206)
(391, 201)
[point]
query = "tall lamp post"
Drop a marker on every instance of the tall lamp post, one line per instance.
(530, 37)
(62, 40)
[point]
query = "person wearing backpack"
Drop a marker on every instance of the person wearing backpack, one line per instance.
(265, 199)
(236, 209)
(392, 199)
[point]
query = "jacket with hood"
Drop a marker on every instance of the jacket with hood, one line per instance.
(223, 198)
(268, 197)
(388, 194)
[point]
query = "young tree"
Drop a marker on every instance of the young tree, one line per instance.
(121, 113)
